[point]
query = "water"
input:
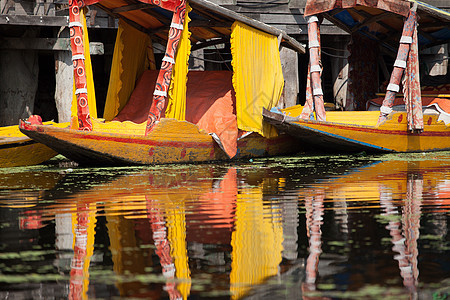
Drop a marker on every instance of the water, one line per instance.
(279, 228)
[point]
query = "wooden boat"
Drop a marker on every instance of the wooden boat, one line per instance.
(214, 116)
(393, 128)
(16, 149)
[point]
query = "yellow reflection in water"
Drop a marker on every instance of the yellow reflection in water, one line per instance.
(256, 241)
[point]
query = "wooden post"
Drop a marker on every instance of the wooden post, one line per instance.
(289, 64)
(64, 82)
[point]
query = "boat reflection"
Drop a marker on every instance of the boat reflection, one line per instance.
(235, 232)
(157, 247)
(399, 189)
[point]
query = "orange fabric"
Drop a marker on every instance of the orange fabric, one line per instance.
(137, 107)
(210, 104)
(219, 118)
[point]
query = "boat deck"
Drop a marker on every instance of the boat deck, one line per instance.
(364, 118)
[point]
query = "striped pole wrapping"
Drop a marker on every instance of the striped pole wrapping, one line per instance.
(79, 70)
(399, 67)
(165, 74)
(314, 92)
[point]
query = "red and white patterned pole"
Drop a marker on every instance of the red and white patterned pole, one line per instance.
(79, 70)
(165, 74)
(399, 66)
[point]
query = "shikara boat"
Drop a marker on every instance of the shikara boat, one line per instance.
(418, 122)
(171, 115)
(16, 149)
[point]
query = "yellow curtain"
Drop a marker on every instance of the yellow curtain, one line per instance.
(176, 106)
(132, 55)
(89, 76)
(257, 76)
(257, 242)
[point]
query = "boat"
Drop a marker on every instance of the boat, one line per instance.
(384, 120)
(18, 150)
(164, 114)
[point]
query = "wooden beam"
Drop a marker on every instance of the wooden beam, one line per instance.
(210, 43)
(377, 19)
(130, 7)
(297, 4)
(370, 20)
(348, 29)
(224, 2)
(29, 20)
(207, 23)
(46, 44)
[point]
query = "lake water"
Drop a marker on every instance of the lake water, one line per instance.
(280, 228)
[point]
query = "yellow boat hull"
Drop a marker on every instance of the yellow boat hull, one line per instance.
(17, 150)
(350, 132)
(172, 141)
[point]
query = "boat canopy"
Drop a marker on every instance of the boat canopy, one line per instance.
(402, 28)
(382, 20)
(181, 27)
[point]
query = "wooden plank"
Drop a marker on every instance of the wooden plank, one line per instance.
(49, 8)
(297, 4)
(282, 18)
(29, 20)
(438, 3)
(38, 7)
(224, 2)
(6, 6)
(46, 44)
(22, 7)
(130, 7)
(302, 30)
(282, 8)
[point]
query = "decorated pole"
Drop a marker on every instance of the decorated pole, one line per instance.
(79, 70)
(411, 88)
(165, 74)
(399, 66)
(314, 92)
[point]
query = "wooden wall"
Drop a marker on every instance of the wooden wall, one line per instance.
(288, 14)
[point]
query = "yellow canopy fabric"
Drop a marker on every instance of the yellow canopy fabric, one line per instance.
(89, 76)
(257, 79)
(132, 55)
(176, 106)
